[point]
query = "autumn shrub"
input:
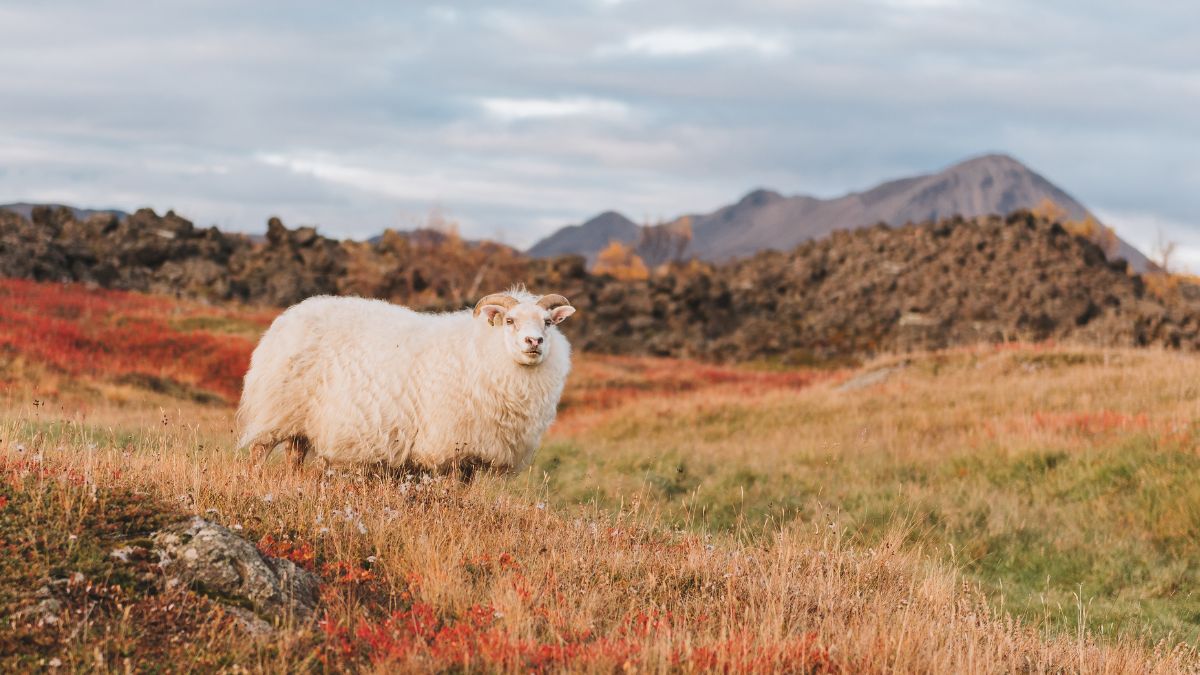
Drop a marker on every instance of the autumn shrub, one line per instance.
(621, 262)
(108, 334)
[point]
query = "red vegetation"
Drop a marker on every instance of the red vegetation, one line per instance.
(1091, 423)
(16, 471)
(344, 573)
(420, 636)
(476, 639)
(299, 552)
(111, 334)
(605, 382)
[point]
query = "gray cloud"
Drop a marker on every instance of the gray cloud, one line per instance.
(518, 120)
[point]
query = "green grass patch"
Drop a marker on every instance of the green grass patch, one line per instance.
(1109, 534)
(227, 325)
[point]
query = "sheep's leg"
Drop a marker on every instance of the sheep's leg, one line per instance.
(465, 470)
(298, 448)
(260, 451)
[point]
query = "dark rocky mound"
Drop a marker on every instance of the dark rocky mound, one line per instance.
(168, 255)
(931, 285)
(957, 281)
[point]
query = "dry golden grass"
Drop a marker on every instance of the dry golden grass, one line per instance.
(689, 518)
(1019, 508)
(1046, 474)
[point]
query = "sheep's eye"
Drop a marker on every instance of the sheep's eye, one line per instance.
(547, 322)
(508, 321)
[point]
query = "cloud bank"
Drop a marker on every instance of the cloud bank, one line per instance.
(516, 121)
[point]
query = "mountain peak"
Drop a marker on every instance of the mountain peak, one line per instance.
(588, 238)
(992, 183)
(993, 162)
(614, 217)
(759, 197)
(991, 159)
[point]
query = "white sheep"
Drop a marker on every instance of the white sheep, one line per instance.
(358, 380)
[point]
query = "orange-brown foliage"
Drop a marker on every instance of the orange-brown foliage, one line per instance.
(1167, 285)
(1088, 228)
(429, 268)
(619, 261)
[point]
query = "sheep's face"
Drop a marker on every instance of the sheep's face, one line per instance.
(526, 327)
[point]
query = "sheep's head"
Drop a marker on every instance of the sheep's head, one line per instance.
(525, 321)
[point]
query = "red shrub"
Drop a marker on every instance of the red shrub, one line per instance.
(421, 638)
(340, 572)
(606, 382)
(301, 553)
(109, 334)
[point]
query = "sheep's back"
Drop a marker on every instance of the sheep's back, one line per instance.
(379, 373)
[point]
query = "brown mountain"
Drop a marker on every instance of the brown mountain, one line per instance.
(587, 239)
(762, 220)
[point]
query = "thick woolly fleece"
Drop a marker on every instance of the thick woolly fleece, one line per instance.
(369, 381)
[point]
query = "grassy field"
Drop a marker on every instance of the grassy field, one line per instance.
(1025, 507)
(1062, 480)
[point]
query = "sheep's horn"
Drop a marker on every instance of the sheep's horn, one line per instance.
(552, 301)
(503, 299)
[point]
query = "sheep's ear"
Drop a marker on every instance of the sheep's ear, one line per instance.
(560, 314)
(490, 312)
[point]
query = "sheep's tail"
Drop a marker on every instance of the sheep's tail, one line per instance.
(247, 430)
(258, 438)
(249, 416)
(253, 409)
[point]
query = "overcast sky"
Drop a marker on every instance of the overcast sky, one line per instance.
(515, 120)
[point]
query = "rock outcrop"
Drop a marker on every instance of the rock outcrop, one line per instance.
(215, 561)
(931, 285)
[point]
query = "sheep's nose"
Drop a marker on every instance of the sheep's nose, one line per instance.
(534, 341)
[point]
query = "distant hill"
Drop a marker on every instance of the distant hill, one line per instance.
(587, 239)
(25, 210)
(991, 184)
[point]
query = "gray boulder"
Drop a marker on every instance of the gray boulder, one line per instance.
(217, 562)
